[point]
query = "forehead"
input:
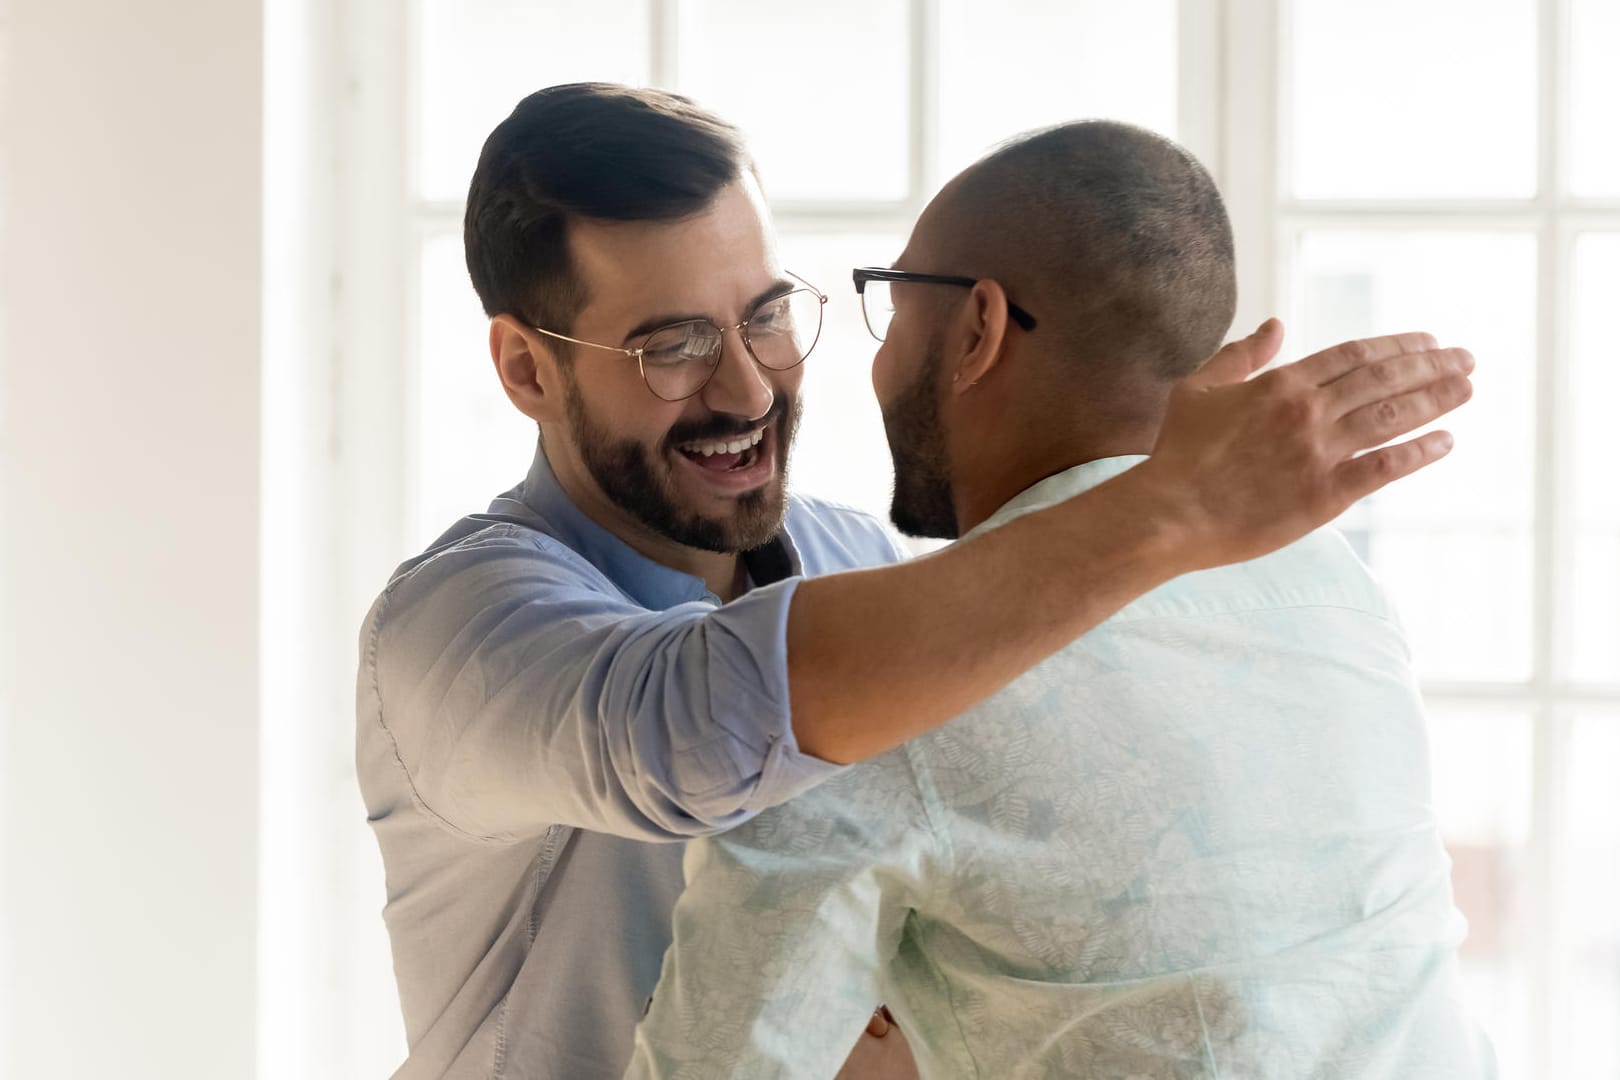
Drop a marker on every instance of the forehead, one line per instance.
(709, 263)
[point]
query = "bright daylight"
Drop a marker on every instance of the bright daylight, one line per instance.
(859, 539)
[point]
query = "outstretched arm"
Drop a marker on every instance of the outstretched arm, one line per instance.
(1242, 467)
(516, 695)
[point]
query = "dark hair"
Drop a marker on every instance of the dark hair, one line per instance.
(1120, 232)
(592, 150)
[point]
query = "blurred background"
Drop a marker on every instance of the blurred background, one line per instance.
(242, 374)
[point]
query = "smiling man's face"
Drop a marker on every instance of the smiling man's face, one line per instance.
(708, 472)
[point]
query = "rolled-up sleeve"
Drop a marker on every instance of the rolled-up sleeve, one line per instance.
(518, 689)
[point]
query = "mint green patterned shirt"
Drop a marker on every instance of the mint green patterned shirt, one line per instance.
(1196, 843)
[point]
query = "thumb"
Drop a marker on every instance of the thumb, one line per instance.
(1240, 359)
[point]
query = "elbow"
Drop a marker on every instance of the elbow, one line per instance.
(697, 800)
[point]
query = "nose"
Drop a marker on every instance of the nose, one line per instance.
(738, 385)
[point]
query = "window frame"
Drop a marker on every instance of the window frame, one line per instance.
(1269, 221)
(1232, 55)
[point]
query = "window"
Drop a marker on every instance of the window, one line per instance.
(1389, 165)
(1476, 197)
(847, 164)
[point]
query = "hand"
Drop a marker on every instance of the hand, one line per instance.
(881, 1053)
(1248, 465)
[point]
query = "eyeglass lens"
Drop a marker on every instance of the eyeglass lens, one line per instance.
(677, 360)
(877, 305)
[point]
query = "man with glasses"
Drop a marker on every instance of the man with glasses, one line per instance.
(648, 640)
(1197, 842)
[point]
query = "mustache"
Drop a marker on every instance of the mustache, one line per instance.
(724, 426)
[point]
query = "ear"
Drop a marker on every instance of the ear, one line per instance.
(983, 326)
(527, 368)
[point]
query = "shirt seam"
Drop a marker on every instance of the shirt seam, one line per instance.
(950, 1001)
(933, 816)
(1223, 613)
(393, 741)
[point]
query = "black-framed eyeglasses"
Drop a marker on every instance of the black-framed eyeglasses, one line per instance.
(872, 283)
(678, 360)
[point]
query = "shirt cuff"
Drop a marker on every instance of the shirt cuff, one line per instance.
(787, 772)
(758, 623)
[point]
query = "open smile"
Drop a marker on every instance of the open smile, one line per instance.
(733, 465)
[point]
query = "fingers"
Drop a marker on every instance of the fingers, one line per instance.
(1390, 377)
(1361, 476)
(1240, 359)
(878, 1026)
(1340, 360)
(1376, 424)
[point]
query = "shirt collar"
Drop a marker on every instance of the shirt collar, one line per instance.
(650, 584)
(1058, 487)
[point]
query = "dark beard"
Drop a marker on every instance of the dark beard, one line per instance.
(922, 472)
(638, 482)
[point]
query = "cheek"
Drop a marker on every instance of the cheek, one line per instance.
(885, 380)
(625, 409)
(788, 382)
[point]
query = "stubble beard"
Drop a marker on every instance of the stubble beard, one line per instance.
(639, 480)
(922, 505)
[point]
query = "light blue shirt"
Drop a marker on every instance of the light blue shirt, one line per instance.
(1196, 843)
(543, 712)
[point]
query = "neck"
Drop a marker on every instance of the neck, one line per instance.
(1000, 476)
(1056, 427)
(722, 572)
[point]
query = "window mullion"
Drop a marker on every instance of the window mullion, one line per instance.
(1249, 161)
(1200, 58)
(664, 43)
(923, 57)
(1554, 547)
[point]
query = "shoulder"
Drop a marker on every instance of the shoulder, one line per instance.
(483, 563)
(831, 536)
(1320, 570)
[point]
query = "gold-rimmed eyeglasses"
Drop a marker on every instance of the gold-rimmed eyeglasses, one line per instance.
(678, 360)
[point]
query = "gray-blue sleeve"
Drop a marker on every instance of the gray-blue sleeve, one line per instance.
(519, 692)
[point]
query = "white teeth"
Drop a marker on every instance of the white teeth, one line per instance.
(734, 446)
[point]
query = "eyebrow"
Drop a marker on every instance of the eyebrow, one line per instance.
(779, 287)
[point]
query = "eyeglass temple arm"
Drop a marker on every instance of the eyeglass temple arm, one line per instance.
(863, 275)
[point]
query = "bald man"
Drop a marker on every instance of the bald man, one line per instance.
(1198, 841)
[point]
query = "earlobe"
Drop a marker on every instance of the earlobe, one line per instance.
(985, 337)
(527, 372)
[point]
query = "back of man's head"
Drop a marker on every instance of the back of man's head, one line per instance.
(584, 150)
(1114, 237)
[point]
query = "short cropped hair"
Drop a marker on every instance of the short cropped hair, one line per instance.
(1121, 233)
(584, 150)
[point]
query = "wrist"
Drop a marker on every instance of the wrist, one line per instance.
(1170, 530)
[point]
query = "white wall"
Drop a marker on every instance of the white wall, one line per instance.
(129, 463)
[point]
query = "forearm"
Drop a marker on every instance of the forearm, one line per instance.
(879, 656)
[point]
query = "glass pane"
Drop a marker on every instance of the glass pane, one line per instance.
(480, 57)
(1481, 763)
(842, 453)
(1595, 386)
(1591, 897)
(1037, 62)
(1453, 543)
(1414, 98)
(471, 444)
(822, 90)
(1594, 97)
